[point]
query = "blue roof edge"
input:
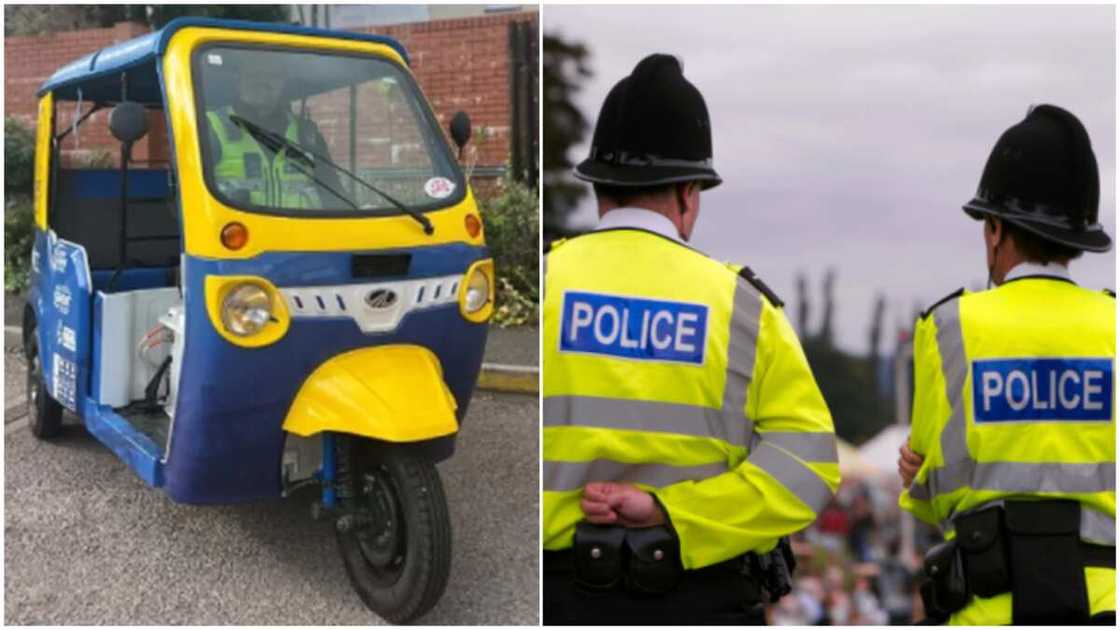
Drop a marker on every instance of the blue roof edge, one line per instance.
(140, 46)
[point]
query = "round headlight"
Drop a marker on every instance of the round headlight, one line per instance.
(478, 292)
(246, 309)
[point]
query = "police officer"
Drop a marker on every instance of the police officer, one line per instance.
(1012, 449)
(249, 172)
(684, 434)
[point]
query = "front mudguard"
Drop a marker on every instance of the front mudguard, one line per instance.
(393, 394)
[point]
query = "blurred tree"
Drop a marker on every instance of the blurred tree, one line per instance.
(39, 19)
(160, 14)
(565, 67)
(802, 305)
(875, 338)
(828, 289)
(846, 381)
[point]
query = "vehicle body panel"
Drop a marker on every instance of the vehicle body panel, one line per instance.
(227, 435)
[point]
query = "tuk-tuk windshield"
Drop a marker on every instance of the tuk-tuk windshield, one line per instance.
(312, 134)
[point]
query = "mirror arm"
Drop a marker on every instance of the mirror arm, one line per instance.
(65, 132)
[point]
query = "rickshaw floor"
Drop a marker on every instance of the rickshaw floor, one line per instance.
(153, 423)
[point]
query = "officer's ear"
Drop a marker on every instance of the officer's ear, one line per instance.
(994, 226)
(687, 194)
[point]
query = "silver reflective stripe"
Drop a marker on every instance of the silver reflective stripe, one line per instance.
(794, 475)
(957, 465)
(961, 470)
(643, 415)
(1045, 477)
(563, 476)
(729, 423)
(920, 491)
(808, 447)
(742, 346)
(1097, 527)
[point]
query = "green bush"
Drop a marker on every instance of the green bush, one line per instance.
(19, 235)
(512, 224)
(19, 156)
(19, 171)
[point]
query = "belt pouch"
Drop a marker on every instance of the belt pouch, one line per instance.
(980, 536)
(1047, 576)
(598, 556)
(946, 591)
(655, 560)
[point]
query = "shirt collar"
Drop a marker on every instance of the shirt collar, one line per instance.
(1025, 269)
(639, 218)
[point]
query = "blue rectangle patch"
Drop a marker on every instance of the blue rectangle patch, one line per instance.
(1044, 390)
(633, 328)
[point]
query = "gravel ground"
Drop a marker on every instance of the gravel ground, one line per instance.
(513, 346)
(88, 543)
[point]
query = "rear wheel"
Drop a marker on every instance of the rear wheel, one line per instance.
(43, 412)
(399, 557)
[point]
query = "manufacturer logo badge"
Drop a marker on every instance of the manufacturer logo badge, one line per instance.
(381, 299)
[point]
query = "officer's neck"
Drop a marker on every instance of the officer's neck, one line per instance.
(1013, 264)
(671, 215)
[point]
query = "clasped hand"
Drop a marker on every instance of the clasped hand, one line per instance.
(625, 504)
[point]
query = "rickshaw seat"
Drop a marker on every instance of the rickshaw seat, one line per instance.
(87, 211)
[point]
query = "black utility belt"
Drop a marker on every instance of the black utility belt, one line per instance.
(604, 558)
(1031, 549)
(647, 561)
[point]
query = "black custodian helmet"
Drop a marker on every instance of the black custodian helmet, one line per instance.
(1042, 176)
(653, 129)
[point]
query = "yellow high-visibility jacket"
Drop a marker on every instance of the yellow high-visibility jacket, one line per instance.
(665, 368)
(1013, 398)
(274, 180)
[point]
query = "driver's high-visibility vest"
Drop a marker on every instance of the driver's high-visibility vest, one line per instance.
(270, 179)
(665, 368)
(1014, 398)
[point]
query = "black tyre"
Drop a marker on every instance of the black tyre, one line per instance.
(399, 561)
(43, 412)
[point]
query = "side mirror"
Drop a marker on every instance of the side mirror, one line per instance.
(460, 128)
(128, 122)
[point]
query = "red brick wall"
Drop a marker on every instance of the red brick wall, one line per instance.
(461, 64)
(29, 61)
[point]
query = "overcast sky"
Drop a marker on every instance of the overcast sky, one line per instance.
(851, 136)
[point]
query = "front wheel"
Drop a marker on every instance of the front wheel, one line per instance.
(399, 559)
(43, 412)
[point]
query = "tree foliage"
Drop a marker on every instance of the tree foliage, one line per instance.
(565, 68)
(512, 230)
(40, 19)
(19, 157)
(848, 382)
(19, 168)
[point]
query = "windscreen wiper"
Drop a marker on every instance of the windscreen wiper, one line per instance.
(270, 142)
(306, 155)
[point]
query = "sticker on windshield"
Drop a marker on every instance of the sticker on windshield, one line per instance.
(214, 59)
(439, 187)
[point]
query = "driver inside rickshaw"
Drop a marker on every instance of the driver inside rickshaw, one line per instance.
(251, 162)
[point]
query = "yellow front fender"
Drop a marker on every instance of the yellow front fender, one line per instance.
(393, 393)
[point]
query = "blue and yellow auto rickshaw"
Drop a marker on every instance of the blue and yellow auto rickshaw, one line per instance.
(298, 295)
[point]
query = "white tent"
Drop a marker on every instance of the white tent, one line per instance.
(852, 464)
(881, 451)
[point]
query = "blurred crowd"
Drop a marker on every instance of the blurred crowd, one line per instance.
(853, 567)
